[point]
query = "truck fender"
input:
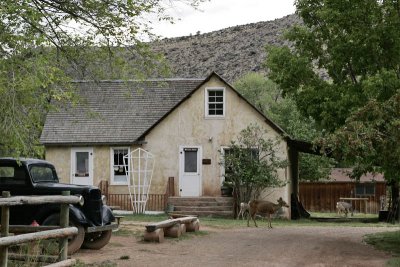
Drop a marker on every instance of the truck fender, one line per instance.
(77, 215)
(74, 214)
(107, 215)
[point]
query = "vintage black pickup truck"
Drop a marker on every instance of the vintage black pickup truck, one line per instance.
(24, 177)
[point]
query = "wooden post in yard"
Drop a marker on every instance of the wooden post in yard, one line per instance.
(5, 224)
(64, 222)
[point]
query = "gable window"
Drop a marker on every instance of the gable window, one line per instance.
(118, 171)
(215, 102)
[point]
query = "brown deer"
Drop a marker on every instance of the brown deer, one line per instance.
(264, 207)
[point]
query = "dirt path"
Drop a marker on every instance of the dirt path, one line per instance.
(281, 246)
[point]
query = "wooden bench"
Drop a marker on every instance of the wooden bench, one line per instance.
(177, 215)
(171, 228)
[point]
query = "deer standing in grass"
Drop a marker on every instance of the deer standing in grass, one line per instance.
(345, 207)
(264, 207)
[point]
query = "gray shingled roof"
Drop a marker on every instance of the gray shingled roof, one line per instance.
(115, 112)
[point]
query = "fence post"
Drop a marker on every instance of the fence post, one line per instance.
(5, 224)
(64, 222)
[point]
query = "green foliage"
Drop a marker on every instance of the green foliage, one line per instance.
(260, 91)
(393, 262)
(267, 97)
(28, 82)
(252, 162)
(44, 44)
(370, 138)
(344, 63)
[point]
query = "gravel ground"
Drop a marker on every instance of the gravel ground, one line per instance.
(280, 246)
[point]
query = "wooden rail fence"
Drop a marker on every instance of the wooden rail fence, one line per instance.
(63, 233)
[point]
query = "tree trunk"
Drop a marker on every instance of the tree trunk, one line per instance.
(395, 200)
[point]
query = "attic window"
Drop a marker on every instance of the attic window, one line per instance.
(215, 102)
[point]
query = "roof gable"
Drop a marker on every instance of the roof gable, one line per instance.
(214, 74)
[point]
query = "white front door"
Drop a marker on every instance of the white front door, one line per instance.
(82, 166)
(190, 171)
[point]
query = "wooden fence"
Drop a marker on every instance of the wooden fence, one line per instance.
(155, 202)
(322, 197)
(5, 241)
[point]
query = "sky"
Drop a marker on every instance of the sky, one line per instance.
(219, 14)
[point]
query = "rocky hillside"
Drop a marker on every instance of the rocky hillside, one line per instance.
(231, 52)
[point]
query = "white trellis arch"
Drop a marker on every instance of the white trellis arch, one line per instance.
(139, 175)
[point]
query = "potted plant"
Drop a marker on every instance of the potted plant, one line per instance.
(226, 189)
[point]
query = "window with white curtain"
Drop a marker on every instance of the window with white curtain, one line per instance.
(118, 171)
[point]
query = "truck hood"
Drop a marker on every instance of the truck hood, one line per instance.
(58, 187)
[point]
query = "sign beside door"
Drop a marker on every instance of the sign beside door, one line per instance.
(190, 171)
(82, 166)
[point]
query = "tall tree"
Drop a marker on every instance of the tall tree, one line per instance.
(45, 43)
(267, 97)
(343, 69)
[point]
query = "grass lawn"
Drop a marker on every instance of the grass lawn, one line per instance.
(387, 241)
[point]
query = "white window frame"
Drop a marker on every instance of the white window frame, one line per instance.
(112, 178)
(206, 104)
(222, 166)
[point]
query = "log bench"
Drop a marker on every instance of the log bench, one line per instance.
(171, 228)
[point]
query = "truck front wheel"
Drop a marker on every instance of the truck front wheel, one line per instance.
(74, 242)
(96, 240)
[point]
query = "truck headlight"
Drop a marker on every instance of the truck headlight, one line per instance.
(81, 200)
(104, 199)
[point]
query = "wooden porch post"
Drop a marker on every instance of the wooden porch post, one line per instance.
(294, 169)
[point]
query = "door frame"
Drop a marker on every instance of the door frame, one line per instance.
(199, 165)
(73, 162)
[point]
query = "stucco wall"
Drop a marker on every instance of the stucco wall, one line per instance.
(187, 125)
(61, 158)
